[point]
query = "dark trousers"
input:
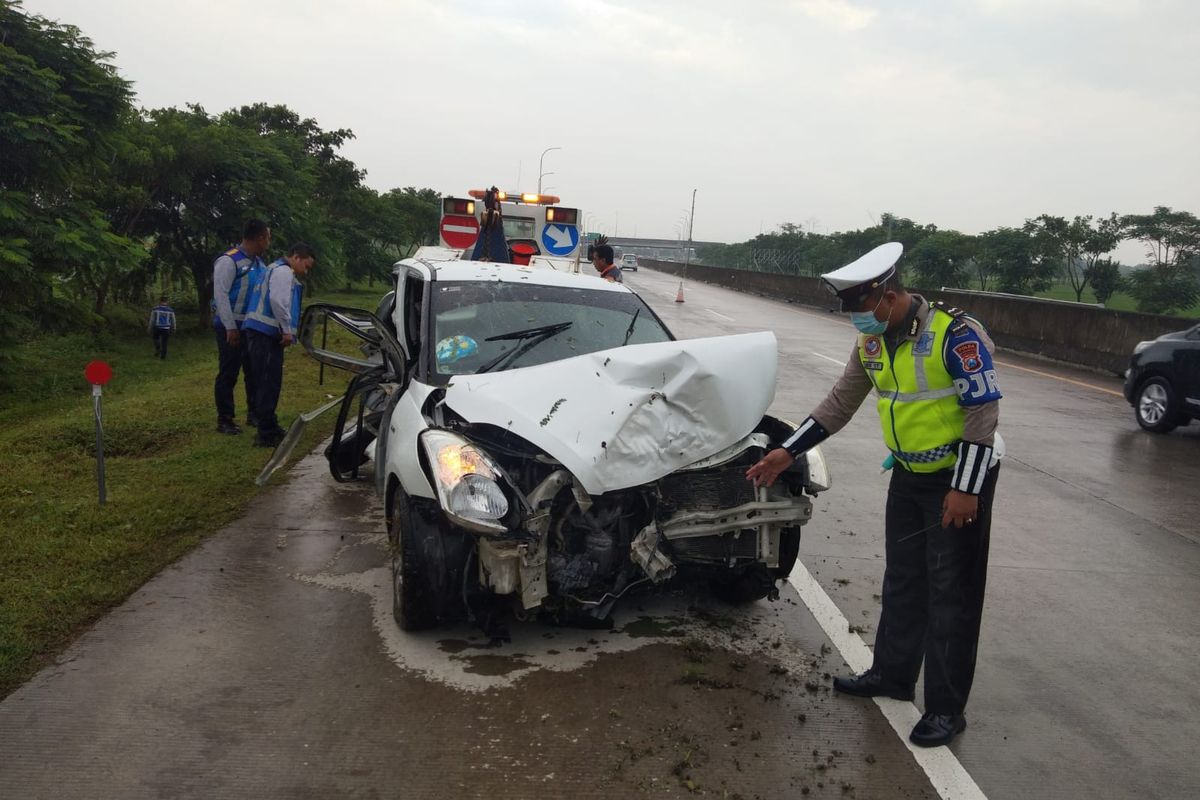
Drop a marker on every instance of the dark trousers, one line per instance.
(230, 361)
(266, 361)
(932, 590)
(161, 335)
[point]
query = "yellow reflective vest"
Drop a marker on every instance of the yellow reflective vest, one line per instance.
(918, 405)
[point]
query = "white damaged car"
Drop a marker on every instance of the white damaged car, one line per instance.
(544, 445)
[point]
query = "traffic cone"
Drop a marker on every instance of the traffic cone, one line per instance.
(679, 294)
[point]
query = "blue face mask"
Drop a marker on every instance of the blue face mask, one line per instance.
(866, 322)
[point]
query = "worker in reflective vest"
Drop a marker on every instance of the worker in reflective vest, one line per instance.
(272, 317)
(161, 325)
(232, 271)
(938, 402)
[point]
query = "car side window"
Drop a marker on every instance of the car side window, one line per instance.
(409, 296)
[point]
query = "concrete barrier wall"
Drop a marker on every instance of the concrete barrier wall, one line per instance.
(1087, 336)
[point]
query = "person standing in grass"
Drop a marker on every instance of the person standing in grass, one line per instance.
(161, 326)
(231, 275)
(272, 317)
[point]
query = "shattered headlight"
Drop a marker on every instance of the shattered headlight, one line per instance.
(818, 471)
(465, 479)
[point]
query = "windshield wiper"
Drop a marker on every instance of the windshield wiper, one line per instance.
(629, 330)
(532, 337)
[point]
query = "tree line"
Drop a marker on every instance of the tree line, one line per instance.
(101, 202)
(1019, 260)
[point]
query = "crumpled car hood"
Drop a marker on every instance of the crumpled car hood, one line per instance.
(630, 415)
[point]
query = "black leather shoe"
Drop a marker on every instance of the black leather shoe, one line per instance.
(228, 426)
(872, 684)
(251, 421)
(271, 439)
(937, 729)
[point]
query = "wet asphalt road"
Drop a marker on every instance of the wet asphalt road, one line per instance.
(1087, 684)
(266, 662)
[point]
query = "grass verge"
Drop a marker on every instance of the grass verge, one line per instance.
(171, 479)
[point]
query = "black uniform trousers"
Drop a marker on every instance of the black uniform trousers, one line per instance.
(266, 360)
(933, 588)
(230, 361)
(161, 335)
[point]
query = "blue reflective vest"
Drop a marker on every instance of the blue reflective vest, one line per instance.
(243, 266)
(162, 317)
(259, 314)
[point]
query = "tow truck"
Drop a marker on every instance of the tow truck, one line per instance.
(533, 230)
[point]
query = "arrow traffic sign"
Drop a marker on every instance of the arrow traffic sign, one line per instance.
(559, 240)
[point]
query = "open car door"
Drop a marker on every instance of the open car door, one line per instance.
(358, 341)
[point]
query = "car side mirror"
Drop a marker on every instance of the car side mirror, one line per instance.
(349, 338)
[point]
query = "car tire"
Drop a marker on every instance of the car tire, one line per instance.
(1156, 406)
(427, 567)
(789, 551)
(746, 585)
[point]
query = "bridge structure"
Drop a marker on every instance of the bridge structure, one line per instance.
(660, 249)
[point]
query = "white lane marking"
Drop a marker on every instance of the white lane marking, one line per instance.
(827, 358)
(947, 775)
(1072, 381)
(719, 314)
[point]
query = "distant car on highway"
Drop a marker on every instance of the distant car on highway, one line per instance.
(1163, 380)
(629, 262)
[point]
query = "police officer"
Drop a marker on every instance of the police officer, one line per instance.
(272, 316)
(602, 260)
(161, 325)
(231, 276)
(938, 404)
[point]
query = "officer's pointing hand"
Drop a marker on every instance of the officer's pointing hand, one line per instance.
(769, 466)
(959, 509)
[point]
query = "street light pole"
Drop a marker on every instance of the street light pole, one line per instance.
(691, 218)
(540, 173)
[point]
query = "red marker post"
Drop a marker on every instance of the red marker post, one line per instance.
(98, 373)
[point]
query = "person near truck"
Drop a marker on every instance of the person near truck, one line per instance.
(232, 271)
(272, 317)
(938, 403)
(161, 326)
(602, 260)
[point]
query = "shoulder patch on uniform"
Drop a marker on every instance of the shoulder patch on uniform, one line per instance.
(968, 356)
(231, 251)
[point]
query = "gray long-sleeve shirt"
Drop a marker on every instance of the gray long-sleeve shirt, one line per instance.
(224, 274)
(280, 286)
(855, 384)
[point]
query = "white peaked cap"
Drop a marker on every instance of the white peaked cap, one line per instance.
(862, 276)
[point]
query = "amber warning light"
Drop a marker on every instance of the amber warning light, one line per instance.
(517, 197)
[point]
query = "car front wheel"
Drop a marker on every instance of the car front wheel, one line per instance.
(1156, 408)
(427, 567)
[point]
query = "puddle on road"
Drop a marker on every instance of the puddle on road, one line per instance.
(455, 655)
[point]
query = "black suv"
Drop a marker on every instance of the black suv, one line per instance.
(1163, 380)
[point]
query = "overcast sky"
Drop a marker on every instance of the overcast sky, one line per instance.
(970, 114)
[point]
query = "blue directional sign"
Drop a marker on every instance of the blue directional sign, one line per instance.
(559, 240)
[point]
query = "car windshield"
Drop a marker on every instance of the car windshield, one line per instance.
(477, 322)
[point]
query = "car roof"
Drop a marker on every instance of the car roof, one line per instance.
(513, 273)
